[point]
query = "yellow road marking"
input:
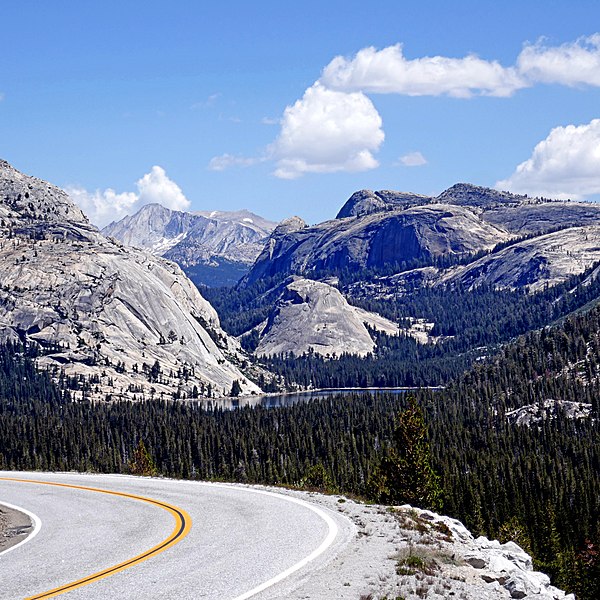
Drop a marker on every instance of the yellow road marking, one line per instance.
(183, 524)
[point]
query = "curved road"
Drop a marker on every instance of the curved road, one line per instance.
(206, 540)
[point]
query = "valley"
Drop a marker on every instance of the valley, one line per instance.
(483, 303)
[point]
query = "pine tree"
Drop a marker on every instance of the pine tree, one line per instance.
(142, 463)
(405, 474)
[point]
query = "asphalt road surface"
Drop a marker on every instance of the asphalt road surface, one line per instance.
(163, 539)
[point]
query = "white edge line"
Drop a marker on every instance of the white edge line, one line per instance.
(331, 535)
(329, 539)
(35, 520)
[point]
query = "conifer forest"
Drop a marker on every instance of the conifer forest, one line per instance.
(537, 483)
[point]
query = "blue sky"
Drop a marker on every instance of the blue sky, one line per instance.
(185, 102)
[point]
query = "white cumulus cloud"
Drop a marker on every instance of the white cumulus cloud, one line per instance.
(327, 131)
(572, 64)
(387, 71)
(412, 159)
(156, 187)
(104, 206)
(564, 165)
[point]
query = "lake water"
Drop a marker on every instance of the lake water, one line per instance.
(276, 400)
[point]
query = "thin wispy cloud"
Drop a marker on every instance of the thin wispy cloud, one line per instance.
(412, 159)
(228, 161)
(207, 103)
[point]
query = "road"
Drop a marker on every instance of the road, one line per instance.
(179, 539)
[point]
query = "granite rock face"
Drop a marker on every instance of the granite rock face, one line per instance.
(377, 239)
(366, 202)
(125, 323)
(26, 197)
(533, 414)
(396, 230)
(312, 316)
(533, 263)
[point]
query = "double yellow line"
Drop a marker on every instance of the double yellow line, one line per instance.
(183, 524)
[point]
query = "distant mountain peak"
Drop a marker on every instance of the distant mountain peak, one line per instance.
(196, 240)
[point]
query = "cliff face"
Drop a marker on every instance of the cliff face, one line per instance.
(126, 323)
(534, 263)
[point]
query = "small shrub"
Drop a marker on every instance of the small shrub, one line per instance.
(416, 560)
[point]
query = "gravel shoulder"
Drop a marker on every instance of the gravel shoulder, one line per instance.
(15, 526)
(407, 553)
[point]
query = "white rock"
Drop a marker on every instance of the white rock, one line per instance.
(520, 586)
(314, 316)
(112, 309)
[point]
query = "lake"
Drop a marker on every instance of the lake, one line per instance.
(291, 398)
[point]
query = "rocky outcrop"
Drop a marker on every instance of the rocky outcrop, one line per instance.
(366, 202)
(116, 320)
(532, 414)
(474, 196)
(405, 552)
(193, 239)
(24, 197)
(497, 570)
(312, 316)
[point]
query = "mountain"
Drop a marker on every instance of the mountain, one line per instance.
(374, 240)
(546, 259)
(458, 274)
(115, 321)
(213, 248)
(393, 232)
(531, 264)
